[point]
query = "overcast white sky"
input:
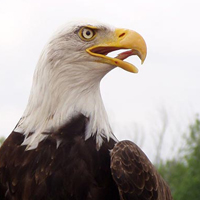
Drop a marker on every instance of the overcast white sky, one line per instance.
(169, 79)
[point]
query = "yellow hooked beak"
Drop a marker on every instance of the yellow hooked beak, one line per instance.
(123, 39)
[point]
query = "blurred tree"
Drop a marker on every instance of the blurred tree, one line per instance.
(160, 134)
(183, 173)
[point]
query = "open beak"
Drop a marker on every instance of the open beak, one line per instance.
(123, 39)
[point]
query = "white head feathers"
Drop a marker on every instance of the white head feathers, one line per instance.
(66, 82)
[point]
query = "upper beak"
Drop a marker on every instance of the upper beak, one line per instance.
(123, 39)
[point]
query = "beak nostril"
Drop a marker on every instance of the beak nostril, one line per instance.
(121, 35)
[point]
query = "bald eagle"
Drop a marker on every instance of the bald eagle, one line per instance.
(63, 147)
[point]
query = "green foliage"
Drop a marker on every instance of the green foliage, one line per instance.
(1, 140)
(183, 174)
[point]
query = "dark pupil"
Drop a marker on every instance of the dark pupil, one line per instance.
(88, 33)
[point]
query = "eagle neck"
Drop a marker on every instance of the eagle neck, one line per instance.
(58, 97)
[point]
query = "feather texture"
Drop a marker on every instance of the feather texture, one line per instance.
(75, 170)
(134, 174)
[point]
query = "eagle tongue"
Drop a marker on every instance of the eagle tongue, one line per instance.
(125, 54)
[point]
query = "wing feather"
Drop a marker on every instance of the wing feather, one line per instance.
(135, 175)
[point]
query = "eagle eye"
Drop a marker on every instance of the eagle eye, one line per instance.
(87, 34)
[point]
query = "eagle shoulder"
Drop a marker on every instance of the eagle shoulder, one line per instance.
(135, 175)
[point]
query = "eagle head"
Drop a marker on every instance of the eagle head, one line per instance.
(67, 79)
